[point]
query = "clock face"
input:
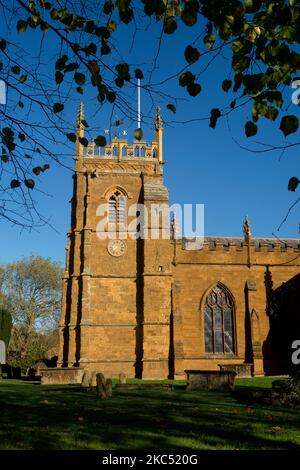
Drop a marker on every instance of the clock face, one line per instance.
(116, 247)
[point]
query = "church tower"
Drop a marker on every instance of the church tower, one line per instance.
(116, 304)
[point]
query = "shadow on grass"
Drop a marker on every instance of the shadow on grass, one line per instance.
(63, 417)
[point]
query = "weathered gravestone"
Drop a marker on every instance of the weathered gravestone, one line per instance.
(103, 387)
(100, 387)
(93, 381)
(86, 378)
(122, 378)
(108, 388)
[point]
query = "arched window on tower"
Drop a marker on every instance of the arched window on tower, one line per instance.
(117, 210)
(219, 322)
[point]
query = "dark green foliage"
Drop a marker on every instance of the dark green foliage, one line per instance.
(250, 129)
(138, 134)
(226, 85)
(83, 141)
(100, 141)
(138, 74)
(186, 78)
(58, 107)
(29, 182)
(21, 26)
(80, 78)
(59, 77)
(284, 392)
(289, 125)
(71, 136)
(293, 183)
(15, 184)
(171, 107)
(193, 89)
(3, 44)
(123, 71)
(191, 54)
(215, 114)
(170, 25)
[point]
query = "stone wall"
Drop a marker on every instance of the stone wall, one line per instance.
(225, 261)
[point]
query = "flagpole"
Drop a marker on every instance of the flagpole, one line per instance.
(139, 103)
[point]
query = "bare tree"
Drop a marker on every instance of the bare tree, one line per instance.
(81, 42)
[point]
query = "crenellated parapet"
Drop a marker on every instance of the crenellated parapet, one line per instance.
(238, 251)
(239, 243)
(121, 149)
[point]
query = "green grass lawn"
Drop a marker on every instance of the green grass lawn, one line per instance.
(65, 417)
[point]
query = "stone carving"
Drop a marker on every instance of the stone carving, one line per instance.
(247, 229)
(114, 167)
(251, 285)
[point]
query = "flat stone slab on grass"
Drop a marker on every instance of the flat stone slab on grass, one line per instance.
(61, 375)
(145, 386)
(242, 370)
(210, 380)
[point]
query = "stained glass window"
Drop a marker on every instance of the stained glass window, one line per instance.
(219, 322)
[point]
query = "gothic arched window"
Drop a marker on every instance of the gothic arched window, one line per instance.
(219, 322)
(117, 209)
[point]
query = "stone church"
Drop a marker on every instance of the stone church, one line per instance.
(152, 308)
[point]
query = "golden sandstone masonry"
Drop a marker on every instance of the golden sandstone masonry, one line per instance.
(153, 308)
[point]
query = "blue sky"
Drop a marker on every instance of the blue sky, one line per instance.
(204, 165)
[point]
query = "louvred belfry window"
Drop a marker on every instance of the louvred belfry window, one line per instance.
(219, 322)
(117, 210)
